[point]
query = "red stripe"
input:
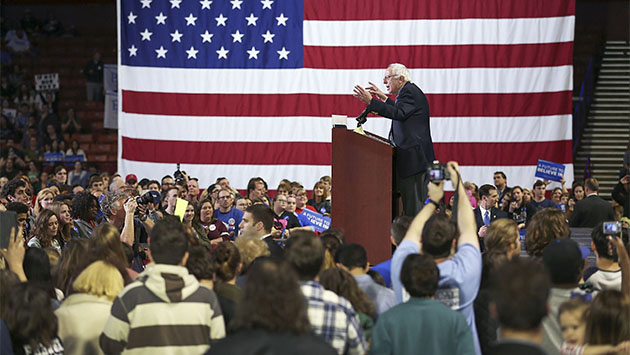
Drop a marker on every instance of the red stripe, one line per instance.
(299, 153)
(433, 9)
(522, 153)
(270, 105)
(464, 56)
(242, 153)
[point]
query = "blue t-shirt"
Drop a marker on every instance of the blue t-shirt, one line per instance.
(231, 220)
(384, 269)
(542, 204)
(460, 277)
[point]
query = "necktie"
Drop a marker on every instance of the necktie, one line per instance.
(486, 218)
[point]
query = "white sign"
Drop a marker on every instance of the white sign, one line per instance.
(45, 82)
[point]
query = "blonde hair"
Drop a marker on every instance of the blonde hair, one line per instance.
(250, 249)
(40, 195)
(501, 234)
(99, 279)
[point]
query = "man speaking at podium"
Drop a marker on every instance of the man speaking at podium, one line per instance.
(410, 132)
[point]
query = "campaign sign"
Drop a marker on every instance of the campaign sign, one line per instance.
(45, 82)
(318, 220)
(549, 171)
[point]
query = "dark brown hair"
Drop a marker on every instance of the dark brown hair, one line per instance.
(226, 261)
(343, 284)
(41, 224)
(70, 263)
(268, 281)
(30, 317)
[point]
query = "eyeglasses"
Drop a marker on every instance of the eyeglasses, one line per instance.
(388, 77)
(224, 197)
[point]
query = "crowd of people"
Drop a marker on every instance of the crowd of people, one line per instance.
(119, 264)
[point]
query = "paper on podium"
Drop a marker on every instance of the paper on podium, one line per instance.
(360, 130)
(180, 208)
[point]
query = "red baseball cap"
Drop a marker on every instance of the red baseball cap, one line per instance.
(131, 177)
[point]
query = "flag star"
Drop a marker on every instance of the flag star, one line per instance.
(146, 35)
(176, 36)
(133, 51)
(266, 4)
(175, 3)
(253, 53)
(161, 19)
(221, 20)
(237, 37)
(132, 18)
(282, 21)
(161, 52)
(190, 20)
(222, 53)
(207, 37)
(146, 3)
(192, 52)
(268, 37)
(205, 4)
(251, 20)
(283, 54)
(236, 4)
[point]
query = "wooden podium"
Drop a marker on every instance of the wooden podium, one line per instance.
(362, 169)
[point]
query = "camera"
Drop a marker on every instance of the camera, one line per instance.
(178, 176)
(149, 196)
(438, 172)
(611, 228)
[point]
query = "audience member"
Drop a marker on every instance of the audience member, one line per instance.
(250, 248)
(319, 200)
(31, 321)
(502, 244)
(263, 324)
(93, 72)
(353, 258)
(344, 285)
(333, 239)
(592, 209)
(397, 233)
(258, 222)
(518, 210)
(564, 260)
(608, 321)
(545, 226)
(621, 194)
(230, 216)
(210, 230)
(487, 212)
(331, 317)
(85, 207)
(43, 200)
(454, 246)
(189, 315)
(520, 292)
(539, 201)
(94, 290)
(227, 266)
(606, 274)
(78, 176)
(70, 264)
(500, 182)
(421, 322)
(46, 232)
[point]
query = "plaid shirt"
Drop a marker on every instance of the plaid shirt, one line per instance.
(333, 318)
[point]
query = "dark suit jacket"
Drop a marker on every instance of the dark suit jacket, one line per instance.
(590, 212)
(275, 249)
(410, 128)
(495, 213)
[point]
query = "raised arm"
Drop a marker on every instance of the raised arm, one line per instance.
(465, 217)
(436, 192)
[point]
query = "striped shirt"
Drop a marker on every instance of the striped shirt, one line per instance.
(333, 318)
(164, 311)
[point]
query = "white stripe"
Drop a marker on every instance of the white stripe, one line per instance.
(341, 82)
(439, 32)
(238, 175)
(318, 129)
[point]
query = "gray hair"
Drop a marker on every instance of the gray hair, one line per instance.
(400, 70)
(112, 201)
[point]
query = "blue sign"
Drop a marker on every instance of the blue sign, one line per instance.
(549, 171)
(318, 220)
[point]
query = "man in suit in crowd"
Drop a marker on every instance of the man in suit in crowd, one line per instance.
(500, 181)
(486, 212)
(257, 222)
(410, 132)
(592, 209)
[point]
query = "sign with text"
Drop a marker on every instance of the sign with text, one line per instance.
(549, 171)
(318, 220)
(45, 82)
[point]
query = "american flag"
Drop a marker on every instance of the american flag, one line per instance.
(247, 88)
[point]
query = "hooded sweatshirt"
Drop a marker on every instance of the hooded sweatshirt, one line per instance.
(164, 311)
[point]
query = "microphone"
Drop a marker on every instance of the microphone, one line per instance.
(362, 118)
